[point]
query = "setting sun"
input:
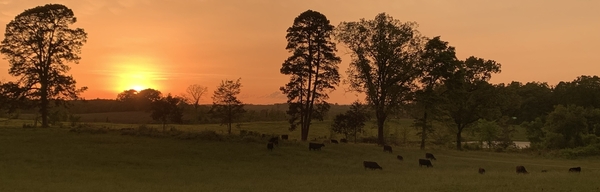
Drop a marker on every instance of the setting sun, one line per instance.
(136, 73)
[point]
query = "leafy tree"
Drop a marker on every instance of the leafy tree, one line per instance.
(536, 101)
(468, 95)
(226, 105)
(437, 63)
(167, 109)
(488, 131)
(194, 93)
(534, 131)
(351, 122)
(11, 96)
(384, 66)
(128, 98)
(313, 68)
(141, 100)
(38, 44)
(566, 127)
(583, 91)
(146, 97)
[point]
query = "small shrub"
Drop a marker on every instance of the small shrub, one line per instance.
(472, 146)
(209, 135)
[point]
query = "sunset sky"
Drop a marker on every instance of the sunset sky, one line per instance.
(168, 45)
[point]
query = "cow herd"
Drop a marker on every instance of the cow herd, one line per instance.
(386, 148)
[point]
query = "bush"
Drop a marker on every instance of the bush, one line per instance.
(587, 151)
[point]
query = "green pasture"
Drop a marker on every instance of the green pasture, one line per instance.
(57, 159)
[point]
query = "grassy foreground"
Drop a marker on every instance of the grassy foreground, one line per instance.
(58, 160)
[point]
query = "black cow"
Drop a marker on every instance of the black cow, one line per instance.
(371, 165)
(270, 146)
(334, 141)
(425, 162)
(575, 169)
(284, 137)
(315, 146)
(274, 140)
(544, 171)
(481, 170)
(387, 148)
(521, 169)
(429, 156)
(343, 140)
(399, 157)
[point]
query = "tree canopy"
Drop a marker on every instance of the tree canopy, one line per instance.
(385, 54)
(226, 106)
(313, 69)
(38, 44)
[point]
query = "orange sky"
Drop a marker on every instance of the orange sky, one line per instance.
(168, 45)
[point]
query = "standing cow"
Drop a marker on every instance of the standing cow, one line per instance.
(399, 157)
(334, 141)
(270, 146)
(387, 148)
(481, 170)
(575, 169)
(371, 165)
(315, 146)
(429, 156)
(521, 169)
(274, 140)
(425, 162)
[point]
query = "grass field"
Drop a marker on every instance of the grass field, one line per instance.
(55, 159)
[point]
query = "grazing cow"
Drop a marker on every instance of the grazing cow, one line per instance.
(544, 171)
(274, 140)
(371, 165)
(429, 156)
(575, 169)
(284, 137)
(481, 170)
(399, 157)
(343, 140)
(334, 141)
(387, 148)
(521, 169)
(425, 162)
(270, 146)
(315, 146)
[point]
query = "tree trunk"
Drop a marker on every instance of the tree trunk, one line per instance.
(44, 102)
(458, 139)
(424, 131)
(380, 121)
(304, 132)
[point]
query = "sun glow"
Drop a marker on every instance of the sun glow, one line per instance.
(137, 73)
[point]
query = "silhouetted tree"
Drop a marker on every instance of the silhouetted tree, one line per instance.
(438, 61)
(128, 98)
(194, 94)
(141, 100)
(226, 105)
(351, 122)
(385, 55)
(468, 95)
(11, 96)
(313, 68)
(167, 109)
(38, 43)
(146, 97)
